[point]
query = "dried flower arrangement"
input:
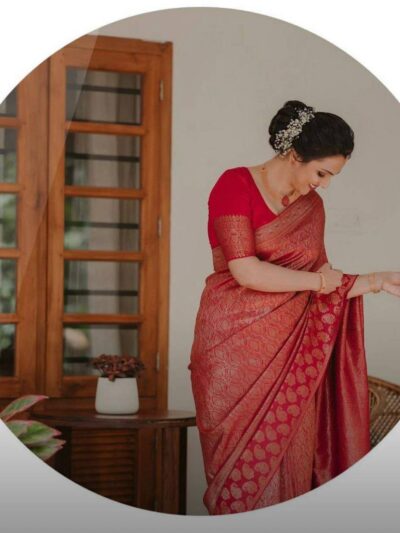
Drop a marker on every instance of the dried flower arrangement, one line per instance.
(118, 366)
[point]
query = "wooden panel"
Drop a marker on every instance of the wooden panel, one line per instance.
(149, 288)
(11, 318)
(33, 228)
(146, 469)
(96, 255)
(106, 60)
(101, 127)
(102, 319)
(55, 265)
(9, 187)
(10, 122)
(102, 192)
(9, 253)
(168, 470)
(164, 213)
(102, 42)
(10, 388)
(104, 462)
(171, 470)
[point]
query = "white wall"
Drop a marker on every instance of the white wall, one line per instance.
(232, 70)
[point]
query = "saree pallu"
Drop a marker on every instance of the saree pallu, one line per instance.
(279, 379)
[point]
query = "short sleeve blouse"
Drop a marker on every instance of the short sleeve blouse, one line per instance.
(235, 208)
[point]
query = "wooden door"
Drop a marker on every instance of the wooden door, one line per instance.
(104, 215)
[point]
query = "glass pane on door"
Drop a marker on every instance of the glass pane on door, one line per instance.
(8, 220)
(104, 96)
(100, 160)
(7, 349)
(102, 224)
(8, 155)
(98, 287)
(8, 276)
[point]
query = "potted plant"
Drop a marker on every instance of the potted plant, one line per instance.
(117, 391)
(38, 437)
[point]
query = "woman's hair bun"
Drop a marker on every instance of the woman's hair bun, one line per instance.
(324, 135)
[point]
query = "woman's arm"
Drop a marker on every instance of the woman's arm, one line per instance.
(388, 281)
(362, 285)
(259, 275)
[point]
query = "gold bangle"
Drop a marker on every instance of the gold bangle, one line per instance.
(372, 283)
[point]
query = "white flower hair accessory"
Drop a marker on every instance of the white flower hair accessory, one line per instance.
(284, 138)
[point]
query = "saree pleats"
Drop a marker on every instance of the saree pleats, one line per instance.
(279, 379)
(342, 400)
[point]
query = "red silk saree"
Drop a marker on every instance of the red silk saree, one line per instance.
(279, 379)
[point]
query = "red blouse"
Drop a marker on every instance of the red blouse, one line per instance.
(235, 209)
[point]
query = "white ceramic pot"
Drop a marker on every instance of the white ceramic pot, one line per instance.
(118, 397)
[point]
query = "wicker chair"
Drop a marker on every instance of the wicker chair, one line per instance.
(384, 401)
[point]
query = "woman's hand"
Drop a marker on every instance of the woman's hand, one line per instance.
(390, 282)
(333, 278)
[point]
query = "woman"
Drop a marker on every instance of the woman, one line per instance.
(277, 364)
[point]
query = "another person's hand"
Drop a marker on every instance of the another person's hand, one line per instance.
(389, 281)
(333, 278)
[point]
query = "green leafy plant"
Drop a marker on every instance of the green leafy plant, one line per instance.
(118, 366)
(38, 437)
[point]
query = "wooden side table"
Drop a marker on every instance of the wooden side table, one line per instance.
(135, 459)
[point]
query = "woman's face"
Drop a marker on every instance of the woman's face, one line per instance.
(316, 173)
